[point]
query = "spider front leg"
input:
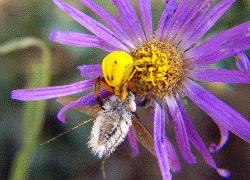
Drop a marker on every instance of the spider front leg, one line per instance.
(101, 82)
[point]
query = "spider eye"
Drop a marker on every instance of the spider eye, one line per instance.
(117, 68)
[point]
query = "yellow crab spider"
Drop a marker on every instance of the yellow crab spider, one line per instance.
(118, 69)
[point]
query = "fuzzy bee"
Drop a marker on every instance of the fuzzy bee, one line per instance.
(111, 125)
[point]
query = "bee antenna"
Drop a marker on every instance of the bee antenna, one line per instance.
(66, 132)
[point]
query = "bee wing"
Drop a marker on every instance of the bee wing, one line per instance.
(143, 135)
(88, 110)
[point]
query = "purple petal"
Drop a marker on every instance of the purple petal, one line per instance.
(52, 92)
(177, 20)
(243, 62)
(87, 100)
(130, 19)
(91, 71)
(222, 75)
(145, 7)
(195, 13)
(180, 131)
(160, 142)
(173, 157)
(80, 39)
(108, 18)
(223, 140)
(90, 99)
(61, 116)
(91, 24)
(170, 118)
(166, 16)
(197, 141)
(133, 142)
(224, 173)
(222, 46)
(218, 110)
(202, 25)
(194, 136)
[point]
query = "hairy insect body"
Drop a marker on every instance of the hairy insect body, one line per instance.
(111, 126)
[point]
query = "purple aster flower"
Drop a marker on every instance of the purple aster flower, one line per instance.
(168, 65)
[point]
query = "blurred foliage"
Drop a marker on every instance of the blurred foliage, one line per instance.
(68, 157)
(34, 112)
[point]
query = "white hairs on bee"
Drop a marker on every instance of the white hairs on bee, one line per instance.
(111, 125)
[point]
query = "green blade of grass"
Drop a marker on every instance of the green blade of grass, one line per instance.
(34, 112)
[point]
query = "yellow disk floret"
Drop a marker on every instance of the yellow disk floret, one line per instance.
(159, 69)
(117, 68)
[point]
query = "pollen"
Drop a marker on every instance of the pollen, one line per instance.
(159, 69)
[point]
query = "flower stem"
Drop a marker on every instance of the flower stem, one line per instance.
(34, 112)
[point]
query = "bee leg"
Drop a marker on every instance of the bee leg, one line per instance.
(97, 89)
(101, 82)
(104, 175)
(124, 93)
(135, 115)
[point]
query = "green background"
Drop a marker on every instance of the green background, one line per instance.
(68, 157)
